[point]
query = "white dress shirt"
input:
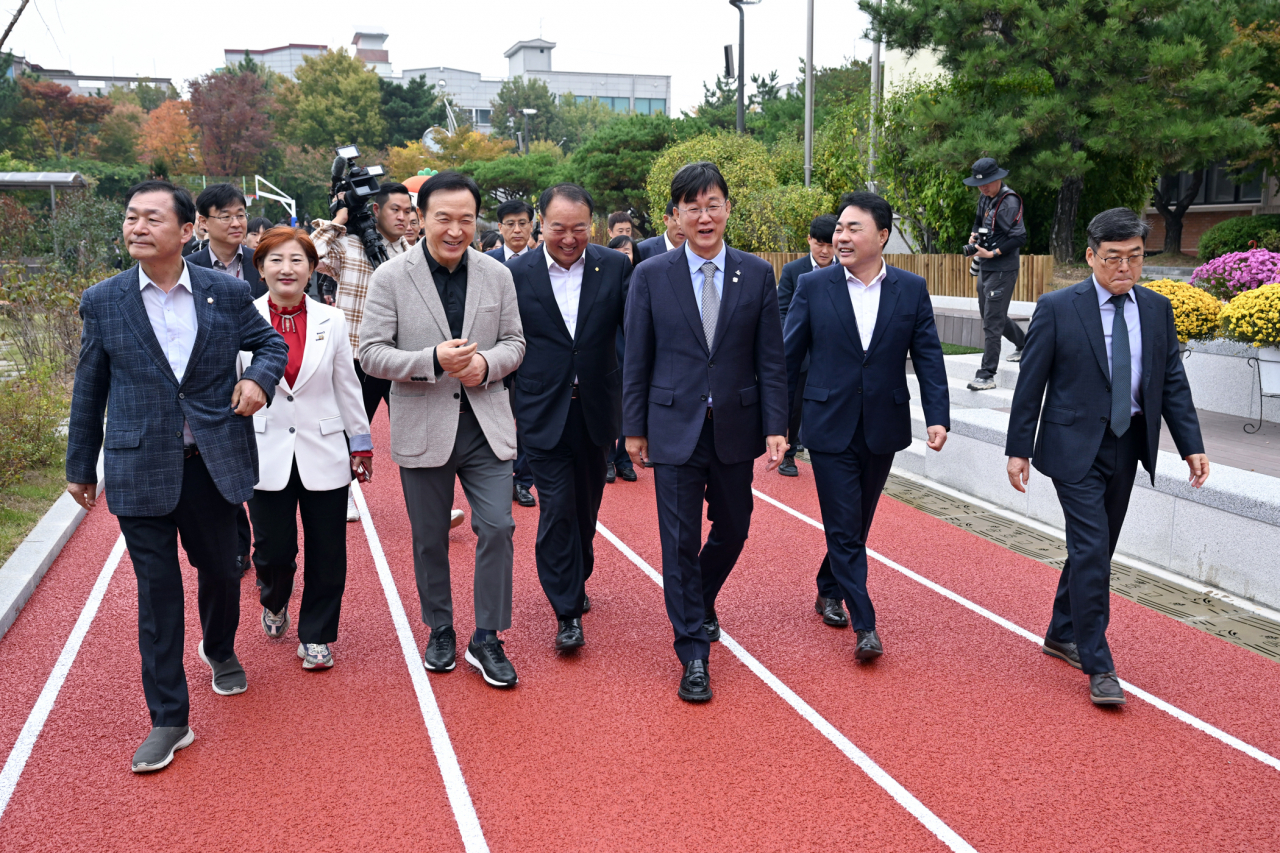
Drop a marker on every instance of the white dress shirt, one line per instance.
(173, 319)
(566, 284)
(508, 254)
(1134, 322)
(667, 240)
(866, 302)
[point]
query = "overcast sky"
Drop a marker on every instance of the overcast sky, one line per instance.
(682, 38)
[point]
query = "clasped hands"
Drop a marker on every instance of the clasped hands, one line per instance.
(461, 361)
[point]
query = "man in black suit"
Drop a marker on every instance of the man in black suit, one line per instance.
(821, 254)
(671, 237)
(221, 211)
(704, 394)
(859, 320)
(1103, 356)
(568, 396)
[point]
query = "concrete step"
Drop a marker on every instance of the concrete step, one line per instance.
(964, 367)
(963, 398)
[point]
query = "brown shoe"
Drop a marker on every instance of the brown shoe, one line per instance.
(1104, 689)
(1062, 651)
(832, 612)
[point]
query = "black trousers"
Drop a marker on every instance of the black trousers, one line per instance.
(1094, 509)
(207, 524)
(693, 573)
(793, 426)
(275, 553)
(375, 390)
(849, 486)
(995, 290)
(570, 481)
(244, 534)
(520, 472)
(618, 451)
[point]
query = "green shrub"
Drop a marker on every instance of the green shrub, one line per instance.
(41, 317)
(777, 219)
(1234, 235)
(31, 407)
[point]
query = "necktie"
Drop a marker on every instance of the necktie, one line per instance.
(710, 303)
(1120, 369)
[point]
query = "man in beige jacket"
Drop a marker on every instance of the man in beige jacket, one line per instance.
(442, 323)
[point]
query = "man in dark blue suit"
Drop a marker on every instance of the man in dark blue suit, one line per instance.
(671, 237)
(1103, 356)
(568, 396)
(704, 394)
(160, 341)
(858, 321)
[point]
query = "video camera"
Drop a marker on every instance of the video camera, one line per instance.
(356, 185)
(970, 250)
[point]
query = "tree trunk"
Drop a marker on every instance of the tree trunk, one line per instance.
(1062, 237)
(1165, 194)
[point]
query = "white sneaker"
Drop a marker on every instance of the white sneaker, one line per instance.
(456, 517)
(353, 512)
(315, 655)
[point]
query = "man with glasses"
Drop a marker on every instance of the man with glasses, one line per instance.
(221, 210)
(1103, 356)
(704, 395)
(1000, 213)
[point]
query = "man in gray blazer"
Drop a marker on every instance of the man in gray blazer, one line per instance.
(442, 323)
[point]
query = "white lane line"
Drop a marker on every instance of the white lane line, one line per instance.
(904, 798)
(1172, 710)
(26, 742)
(455, 786)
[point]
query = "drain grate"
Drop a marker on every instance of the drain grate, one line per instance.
(1211, 615)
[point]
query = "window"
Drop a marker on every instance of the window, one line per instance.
(1219, 187)
(621, 105)
(484, 116)
(651, 106)
(581, 99)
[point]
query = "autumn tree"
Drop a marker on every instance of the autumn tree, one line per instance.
(119, 134)
(336, 101)
(169, 142)
(61, 125)
(465, 146)
(232, 110)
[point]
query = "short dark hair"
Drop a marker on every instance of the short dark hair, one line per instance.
(258, 223)
(1116, 225)
(618, 217)
(694, 178)
(622, 240)
(671, 208)
(444, 182)
(220, 196)
(572, 192)
(514, 207)
(823, 228)
(490, 240)
(182, 203)
(389, 189)
(881, 211)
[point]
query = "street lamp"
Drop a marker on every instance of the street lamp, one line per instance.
(742, 46)
(528, 111)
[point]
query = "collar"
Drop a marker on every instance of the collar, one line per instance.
(184, 280)
(579, 264)
(236, 256)
(510, 254)
(665, 239)
(435, 265)
(294, 309)
(695, 262)
(1104, 295)
(849, 276)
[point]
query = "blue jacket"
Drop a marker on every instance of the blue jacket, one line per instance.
(845, 384)
(1064, 362)
(652, 247)
(668, 371)
(122, 363)
(497, 254)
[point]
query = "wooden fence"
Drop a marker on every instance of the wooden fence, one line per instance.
(948, 275)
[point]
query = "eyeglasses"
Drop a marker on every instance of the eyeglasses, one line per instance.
(712, 209)
(228, 218)
(1114, 263)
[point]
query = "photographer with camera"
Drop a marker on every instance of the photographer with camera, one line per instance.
(998, 234)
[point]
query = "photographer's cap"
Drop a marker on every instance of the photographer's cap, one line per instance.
(985, 171)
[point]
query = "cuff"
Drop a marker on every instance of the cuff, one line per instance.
(362, 442)
(362, 453)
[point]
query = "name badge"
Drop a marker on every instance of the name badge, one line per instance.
(319, 336)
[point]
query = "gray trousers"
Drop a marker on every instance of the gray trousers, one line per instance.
(428, 497)
(995, 290)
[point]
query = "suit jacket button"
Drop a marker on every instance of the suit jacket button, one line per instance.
(179, 433)
(1104, 420)
(457, 396)
(289, 398)
(291, 429)
(859, 390)
(181, 396)
(703, 397)
(711, 364)
(575, 352)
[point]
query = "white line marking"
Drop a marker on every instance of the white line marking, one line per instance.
(1177, 713)
(26, 742)
(905, 798)
(464, 811)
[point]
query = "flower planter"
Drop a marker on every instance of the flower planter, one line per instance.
(1269, 369)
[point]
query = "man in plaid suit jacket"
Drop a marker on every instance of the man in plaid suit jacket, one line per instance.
(159, 343)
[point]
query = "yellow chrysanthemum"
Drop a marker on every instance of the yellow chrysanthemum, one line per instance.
(1253, 316)
(1195, 312)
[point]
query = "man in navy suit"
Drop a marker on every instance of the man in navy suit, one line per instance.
(160, 342)
(858, 321)
(1103, 356)
(671, 237)
(568, 396)
(704, 394)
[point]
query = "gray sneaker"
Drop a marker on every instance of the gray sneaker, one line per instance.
(228, 675)
(1016, 357)
(982, 385)
(275, 624)
(157, 750)
(315, 655)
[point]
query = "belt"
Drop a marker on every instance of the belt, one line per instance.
(189, 450)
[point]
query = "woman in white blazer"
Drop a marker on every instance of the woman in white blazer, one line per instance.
(312, 440)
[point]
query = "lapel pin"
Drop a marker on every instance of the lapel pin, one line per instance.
(210, 300)
(735, 278)
(319, 336)
(597, 269)
(737, 272)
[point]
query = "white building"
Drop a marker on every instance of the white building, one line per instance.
(84, 84)
(282, 60)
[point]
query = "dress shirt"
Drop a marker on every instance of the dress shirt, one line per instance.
(866, 302)
(291, 323)
(814, 261)
(507, 254)
(234, 268)
(173, 319)
(566, 284)
(1134, 322)
(670, 246)
(695, 272)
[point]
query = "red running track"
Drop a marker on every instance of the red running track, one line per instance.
(993, 744)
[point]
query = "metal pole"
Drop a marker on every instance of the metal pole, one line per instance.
(742, 65)
(808, 99)
(524, 139)
(872, 126)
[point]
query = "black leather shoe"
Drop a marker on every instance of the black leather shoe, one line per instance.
(712, 624)
(586, 603)
(788, 467)
(569, 634)
(523, 496)
(869, 646)
(492, 662)
(695, 684)
(1063, 651)
(244, 564)
(610, 472)
(832, 612)
(628, 474)
(442, 650)
(1104, 689)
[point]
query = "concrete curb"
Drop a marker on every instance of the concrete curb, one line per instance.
(24, 570)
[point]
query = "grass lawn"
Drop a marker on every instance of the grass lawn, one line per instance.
(956, 349)
(26, 501)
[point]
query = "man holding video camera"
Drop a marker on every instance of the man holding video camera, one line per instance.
(998, 234)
